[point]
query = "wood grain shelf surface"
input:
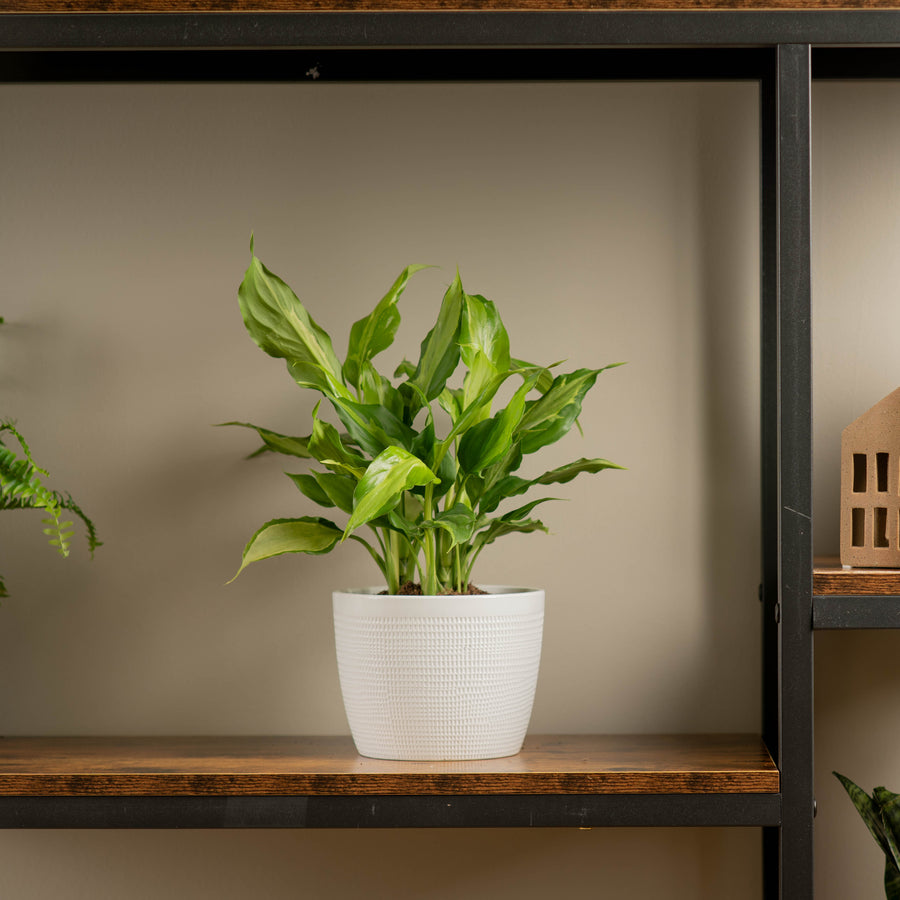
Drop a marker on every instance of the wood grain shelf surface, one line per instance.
(830, 578)
(330, 766)
(264, 6)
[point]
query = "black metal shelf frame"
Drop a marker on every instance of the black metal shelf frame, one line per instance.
(425, 811)
(855, 611)
(773, 48)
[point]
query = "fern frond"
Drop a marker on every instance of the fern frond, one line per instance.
(66, 502)
(21, 488)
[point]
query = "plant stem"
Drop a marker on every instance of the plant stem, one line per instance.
(457, 558)
(394, 580)
(430, 543)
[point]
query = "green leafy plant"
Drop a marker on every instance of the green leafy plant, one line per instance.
(21, 488)
(430, 502)
(881, 813)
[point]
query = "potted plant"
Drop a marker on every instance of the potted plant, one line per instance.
(881, 813)
(424, 463)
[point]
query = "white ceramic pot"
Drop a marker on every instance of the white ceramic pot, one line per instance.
(438, 678)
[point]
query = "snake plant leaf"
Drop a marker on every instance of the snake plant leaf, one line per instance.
(890, 817)
(489, 441)
(275, 442)
(891, 880)
(280, 325)
(375, 332)
(392, 472)
(302, 535)
(513, 485)
(483, 345)
(891, 866)
(868, 809)
(439, 352)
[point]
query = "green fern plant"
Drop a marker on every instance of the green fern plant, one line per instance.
(21, 488)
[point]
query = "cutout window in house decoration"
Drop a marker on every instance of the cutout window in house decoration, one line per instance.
(870, 498)
(881, 467)
(880, 539)
(859, 473)
(859, 527)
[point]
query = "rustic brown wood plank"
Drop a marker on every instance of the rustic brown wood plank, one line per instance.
(209, 766)
(255, 6)
(830, 578)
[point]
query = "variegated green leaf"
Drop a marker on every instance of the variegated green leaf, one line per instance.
(512, 485)
(439, 353)
(392, 472)
(309, 487)
(459, 522)
(326, 446)
(483, 345)
(280, 326)
(278, 536)
(277, 443)
(375, 332)
(490, 440)
(500, 527)
(373, 428)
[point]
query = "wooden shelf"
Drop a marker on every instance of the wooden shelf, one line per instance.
(830, 578)
(854, 598)
(323, 766)
(580, 780)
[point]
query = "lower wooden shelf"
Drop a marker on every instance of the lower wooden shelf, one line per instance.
(580, 780)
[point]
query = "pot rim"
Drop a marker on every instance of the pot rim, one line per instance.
(501, 601)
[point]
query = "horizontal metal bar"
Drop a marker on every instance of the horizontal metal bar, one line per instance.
(446, 28)
(514, 811)
(324, 66)
(855, 611)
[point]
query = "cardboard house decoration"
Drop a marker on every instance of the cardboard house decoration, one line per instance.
(870, 487)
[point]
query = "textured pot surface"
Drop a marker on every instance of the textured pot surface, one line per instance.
(437, 678)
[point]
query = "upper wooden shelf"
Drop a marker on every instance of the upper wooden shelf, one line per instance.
(329, 766)
(260, 6)
(829, 577)
(854, 598)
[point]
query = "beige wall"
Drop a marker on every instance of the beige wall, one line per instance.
(609, 222)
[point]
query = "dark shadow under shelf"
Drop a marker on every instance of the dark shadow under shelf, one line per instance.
(580, 781)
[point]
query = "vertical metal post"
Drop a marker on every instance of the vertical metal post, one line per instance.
(771, 705)
(793, 609)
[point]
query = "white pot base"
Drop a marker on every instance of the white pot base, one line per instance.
(438, 678)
